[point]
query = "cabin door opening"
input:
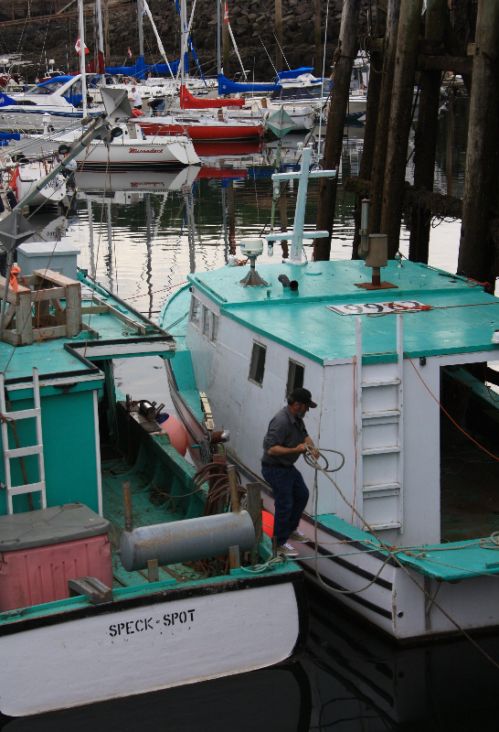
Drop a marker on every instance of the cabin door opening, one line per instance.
(469, 439)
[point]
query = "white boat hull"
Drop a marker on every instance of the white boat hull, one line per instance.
(399, 601)
(107, 654)
(149, 153)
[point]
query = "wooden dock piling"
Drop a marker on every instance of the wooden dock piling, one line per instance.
(425, 141)
(476, 254)
(344, 57)
(400, 120)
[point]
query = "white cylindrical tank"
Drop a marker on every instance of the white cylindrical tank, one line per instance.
(186, 540)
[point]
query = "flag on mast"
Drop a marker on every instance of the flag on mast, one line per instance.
(78, 47)
(226, 13)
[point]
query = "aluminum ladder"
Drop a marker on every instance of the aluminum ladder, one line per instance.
(380, 433)
(22, 452)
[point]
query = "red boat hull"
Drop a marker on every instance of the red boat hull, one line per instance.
(205, 133)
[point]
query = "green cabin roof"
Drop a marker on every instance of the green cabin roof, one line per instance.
(458, 316)
(110, 329)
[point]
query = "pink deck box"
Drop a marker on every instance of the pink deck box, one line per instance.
(41, 550)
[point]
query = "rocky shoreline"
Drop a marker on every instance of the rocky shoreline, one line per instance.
(252, 22)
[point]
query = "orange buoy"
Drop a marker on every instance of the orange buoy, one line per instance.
(177, 433)
(268, 523)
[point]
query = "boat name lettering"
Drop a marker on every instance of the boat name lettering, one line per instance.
(139, 625)
(155, 150)
(396, 306)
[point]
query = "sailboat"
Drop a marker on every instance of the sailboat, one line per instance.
(391, 351)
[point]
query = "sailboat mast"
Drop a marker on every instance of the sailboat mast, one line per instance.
(140, 20)
(184, 58)
(81, 29)
(219, 38)
(100, 37)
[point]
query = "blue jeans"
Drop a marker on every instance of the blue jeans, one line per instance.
(290, 498)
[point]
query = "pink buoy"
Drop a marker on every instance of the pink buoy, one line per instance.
(177, 433)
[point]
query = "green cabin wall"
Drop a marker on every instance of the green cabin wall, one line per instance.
(69, 440)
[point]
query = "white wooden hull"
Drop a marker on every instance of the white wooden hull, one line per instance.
(107, 654)
(399, 601)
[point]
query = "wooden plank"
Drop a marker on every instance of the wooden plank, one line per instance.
(48, 294)
(73, 308)
(24, 320)
(56, 331)
(56, 278)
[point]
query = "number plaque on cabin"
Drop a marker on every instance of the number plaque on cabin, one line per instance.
(370, 308)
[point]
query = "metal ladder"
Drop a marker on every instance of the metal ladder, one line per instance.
(379, 429)
(21, 452)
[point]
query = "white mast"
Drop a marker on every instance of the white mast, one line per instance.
(184, 33)
(81, 29)
(100, 33)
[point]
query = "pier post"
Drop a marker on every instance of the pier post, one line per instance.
(400, 121)
(383, 115)
(425, 142)
(373, 105)
(476, 252)
(343, 59)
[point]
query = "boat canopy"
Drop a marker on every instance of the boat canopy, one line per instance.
(295, 73)
(226, 86)
(140, 69)
(189, 101)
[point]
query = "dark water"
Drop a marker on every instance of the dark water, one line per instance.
(347, 678)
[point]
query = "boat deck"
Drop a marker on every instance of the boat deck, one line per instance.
(115, 472)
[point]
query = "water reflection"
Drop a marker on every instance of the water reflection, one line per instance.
(276, 699)
(364, 683)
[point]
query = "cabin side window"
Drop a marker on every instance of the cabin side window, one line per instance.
(206, 320)
(214, 327)
(296, 373)
(257, 365)
(194, 312)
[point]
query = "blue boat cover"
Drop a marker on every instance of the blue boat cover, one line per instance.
(140, 69)
(294, 73)
(226, 86)
(5, 100)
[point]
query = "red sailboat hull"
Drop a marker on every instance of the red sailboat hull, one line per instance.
(205, 133)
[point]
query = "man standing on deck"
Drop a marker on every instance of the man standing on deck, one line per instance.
(287, 439)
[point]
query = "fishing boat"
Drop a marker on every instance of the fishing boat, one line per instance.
(400, 527)
(124, 571)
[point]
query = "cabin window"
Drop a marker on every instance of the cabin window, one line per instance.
(257, 365)
(206, 320)
(296, 373)
(194, 313)
(214, 327)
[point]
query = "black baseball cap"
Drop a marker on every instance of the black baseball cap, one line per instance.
(303, 396)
